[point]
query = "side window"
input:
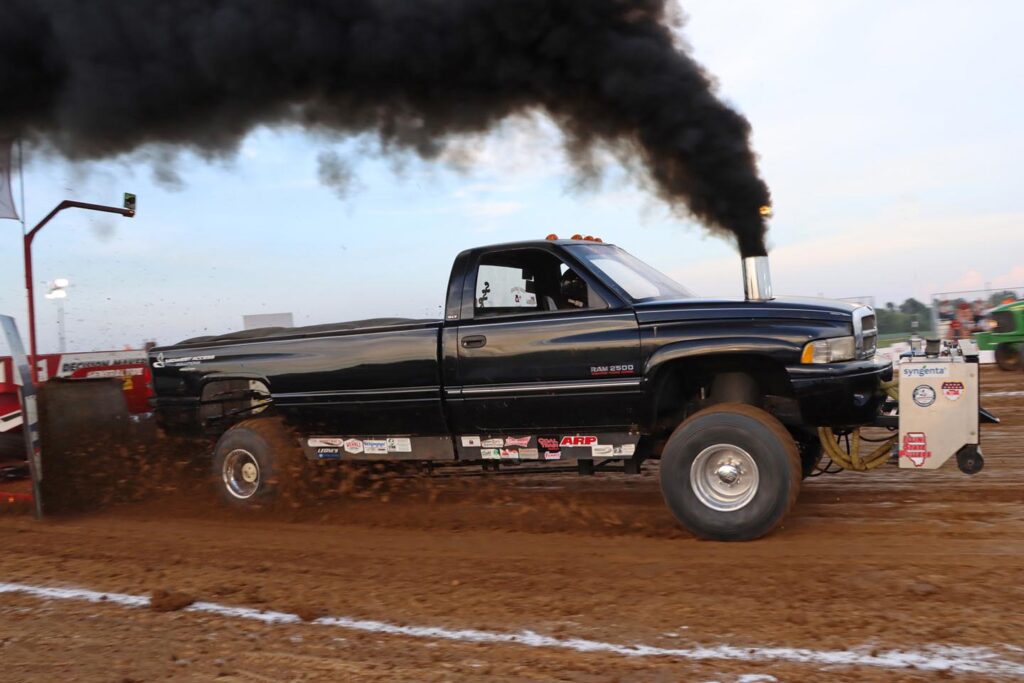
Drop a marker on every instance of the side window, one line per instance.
(529, 280)
(500, 286)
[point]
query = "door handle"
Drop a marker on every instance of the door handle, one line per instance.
(474, 341)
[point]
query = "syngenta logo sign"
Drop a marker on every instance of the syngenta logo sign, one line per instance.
(925, 371)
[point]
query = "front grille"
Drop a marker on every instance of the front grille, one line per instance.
(865, 332)
(1004, 321)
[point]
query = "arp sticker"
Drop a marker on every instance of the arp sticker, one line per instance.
(353, 446)
(471, 442)
(375, 446)
(529, 454)
(517, 441)
(321, 441)
(399, 445)
(492, 443)
(509, 453)
(578, 440)
(923, 395)
(953, 390)
(915, 448)
(490, 453)
(601, 450)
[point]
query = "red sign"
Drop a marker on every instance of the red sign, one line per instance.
(915, 448)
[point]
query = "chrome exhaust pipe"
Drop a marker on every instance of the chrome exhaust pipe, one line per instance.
(757, 279)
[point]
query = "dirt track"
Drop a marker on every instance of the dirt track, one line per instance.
(890, 560)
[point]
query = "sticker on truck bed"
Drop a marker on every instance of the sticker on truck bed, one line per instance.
(471, 442)
(396, 445)
(375, 446)
(578, 440)
(331, 442)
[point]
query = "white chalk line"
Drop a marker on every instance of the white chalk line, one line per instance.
(931, 657)
(1002, 394)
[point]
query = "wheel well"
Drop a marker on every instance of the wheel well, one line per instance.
(690, 384)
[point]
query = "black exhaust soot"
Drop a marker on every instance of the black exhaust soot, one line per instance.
(97, 79)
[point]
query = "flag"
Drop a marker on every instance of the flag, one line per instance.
(7, 208)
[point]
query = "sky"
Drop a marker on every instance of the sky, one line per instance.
(890, 135)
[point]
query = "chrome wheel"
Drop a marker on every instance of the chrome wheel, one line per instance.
(241, 473)
(724, 477)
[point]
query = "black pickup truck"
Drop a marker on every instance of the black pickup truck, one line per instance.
(550, 351)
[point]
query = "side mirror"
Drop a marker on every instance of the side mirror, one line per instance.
(129, 201)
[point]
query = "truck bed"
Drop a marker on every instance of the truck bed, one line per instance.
(308, 330)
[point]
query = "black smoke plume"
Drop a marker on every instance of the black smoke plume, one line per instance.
(94, 79)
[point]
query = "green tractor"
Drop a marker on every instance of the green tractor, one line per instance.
(1006, 338)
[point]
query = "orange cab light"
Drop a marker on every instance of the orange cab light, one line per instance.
(552, 236)
(577, 236)
(598, 239)
(588, 238)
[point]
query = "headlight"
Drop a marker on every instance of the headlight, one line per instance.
(829, 350)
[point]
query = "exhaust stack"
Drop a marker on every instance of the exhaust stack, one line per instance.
(757, 279)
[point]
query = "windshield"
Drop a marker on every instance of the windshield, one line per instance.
(635, 278)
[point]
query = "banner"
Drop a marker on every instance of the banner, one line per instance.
(7, 208)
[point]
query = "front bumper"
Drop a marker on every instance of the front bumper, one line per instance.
(840, 394)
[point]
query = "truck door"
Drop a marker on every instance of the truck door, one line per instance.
(543, 346)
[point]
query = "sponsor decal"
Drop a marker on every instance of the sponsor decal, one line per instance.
(578, 440)
(607, 370)
(68, 365)
(624, 449)
(548, 443)
(162, 362)
(397, 445)
(924, 395)
(490, 453)
(471, 442)
(353, 446)
(517, 441)
(915, 448)
(325, 441)
(529, 454)
(509, 453)
(492, 443)
(599, 450)
(552, 455)
(375, 446)
(953, 390)
(116, 372)
(925, 371)
(328, 453)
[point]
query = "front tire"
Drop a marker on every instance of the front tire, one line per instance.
(730, 472)
(253, 461)
(1008, 357)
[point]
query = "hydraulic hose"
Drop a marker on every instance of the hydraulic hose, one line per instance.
(852, 459)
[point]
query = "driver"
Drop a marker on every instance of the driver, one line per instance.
(573, 290)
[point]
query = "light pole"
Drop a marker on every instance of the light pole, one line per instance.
(128, 211)
(59, 291)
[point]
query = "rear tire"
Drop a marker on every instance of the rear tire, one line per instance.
(1008, 357)
(254, 462)
(730, 472)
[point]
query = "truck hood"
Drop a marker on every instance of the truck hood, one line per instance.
(789, 308)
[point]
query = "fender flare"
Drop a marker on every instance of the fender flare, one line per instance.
(776, 350)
